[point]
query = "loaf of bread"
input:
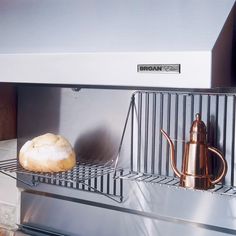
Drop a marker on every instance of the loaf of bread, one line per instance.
(47, 153)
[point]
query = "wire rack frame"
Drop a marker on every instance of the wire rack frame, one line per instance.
(174, 112)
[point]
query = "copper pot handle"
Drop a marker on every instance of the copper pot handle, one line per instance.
(218, 153)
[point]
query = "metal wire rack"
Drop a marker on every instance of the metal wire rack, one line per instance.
(80, 177)
(174, 112)
(149, 111)
(79, 173)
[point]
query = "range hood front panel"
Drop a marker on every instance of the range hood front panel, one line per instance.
(102, 42)
(109, 69)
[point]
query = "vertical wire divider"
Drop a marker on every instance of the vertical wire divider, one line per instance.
(192, 109)
(65, 177)
(77, 177)
(85, 179)
(228, 133)
(184, 124)
(46, 178)
(123, 133)
(114, 186)
(216, 121)
(54, 182)
(101, 182)
(224, 129)
(191, 117)
(160, 140)
(153, 133)
(200, 104)
(71, 178)
(33, 179)
(89, 178)
(176, 127)
(225, 120)
(224, 124)
(233, 144)
(80, 176)
(95, 179)
(74, 179)
(139, 131)
(132, 134)
(121, 185)
(215, 140)
(108, 183)
(146, 131)
(83, 176)
(41, 179)
(168, 131)
(208, 117)
(61, 178)
(56, 177)
(229, 145)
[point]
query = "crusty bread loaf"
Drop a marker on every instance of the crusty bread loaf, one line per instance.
(47, 153)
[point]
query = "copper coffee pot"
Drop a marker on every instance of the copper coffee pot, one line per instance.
(195, 166)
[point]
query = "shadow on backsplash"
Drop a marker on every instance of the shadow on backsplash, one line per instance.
(97, 146)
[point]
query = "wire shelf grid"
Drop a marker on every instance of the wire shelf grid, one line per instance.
(174, 182)
(80, 173)
(80, 177)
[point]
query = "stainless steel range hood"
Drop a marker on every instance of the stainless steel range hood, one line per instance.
(171, 43)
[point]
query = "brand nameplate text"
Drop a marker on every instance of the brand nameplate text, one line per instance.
(159, 68)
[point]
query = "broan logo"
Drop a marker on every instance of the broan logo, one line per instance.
(159, 68)
(150, 68)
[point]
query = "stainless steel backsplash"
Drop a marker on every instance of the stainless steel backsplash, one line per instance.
(93, 121)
